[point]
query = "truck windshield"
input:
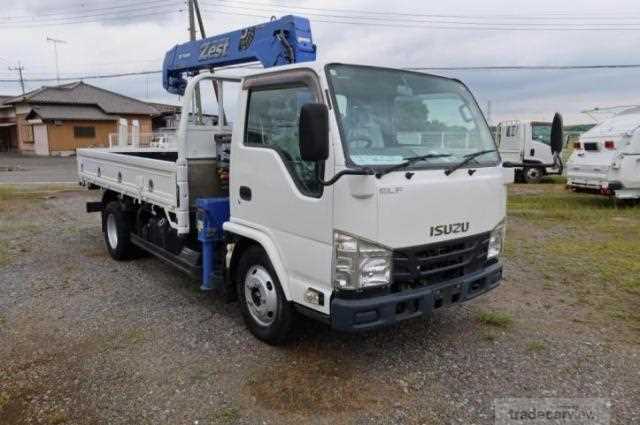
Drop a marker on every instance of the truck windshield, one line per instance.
(541, 133)
(387, 115)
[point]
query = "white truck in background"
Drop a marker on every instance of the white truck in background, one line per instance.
(528, 142)
(358, 196)
(606, 159)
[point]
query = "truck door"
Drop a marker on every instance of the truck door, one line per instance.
(538, 146)
(272, 189)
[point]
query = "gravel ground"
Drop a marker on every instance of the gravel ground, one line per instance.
(16, 169)
(87, 340)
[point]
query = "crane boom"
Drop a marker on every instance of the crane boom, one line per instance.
(278, 42)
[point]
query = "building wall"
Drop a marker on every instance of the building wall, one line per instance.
(62, 136)
(145, 122)
(25, 134)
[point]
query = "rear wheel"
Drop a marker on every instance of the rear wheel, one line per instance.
(265, 310)
(533, 174)
(117, 233)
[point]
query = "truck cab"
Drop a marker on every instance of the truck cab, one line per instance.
(378, 247)
(527, 142)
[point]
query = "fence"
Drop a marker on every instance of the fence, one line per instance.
(143, 140)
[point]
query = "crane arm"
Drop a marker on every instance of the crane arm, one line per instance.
(279, 42)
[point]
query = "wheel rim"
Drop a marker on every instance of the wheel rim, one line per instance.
(112, 231)
(533, 174)
(260, 295)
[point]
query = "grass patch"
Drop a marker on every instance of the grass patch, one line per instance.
(496, 319)
(489, 336)
(12, 192)
(583, 243)
(535, 346)
(5, 257)
(226, 416)
(4, 400)
(58, 418)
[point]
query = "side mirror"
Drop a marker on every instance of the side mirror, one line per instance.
(314, 132)
(557, 134)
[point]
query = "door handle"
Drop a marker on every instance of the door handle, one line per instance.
(245, 193)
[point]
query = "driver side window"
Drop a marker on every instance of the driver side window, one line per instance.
(272, 122)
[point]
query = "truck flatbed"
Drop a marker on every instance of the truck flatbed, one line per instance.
(144, 174)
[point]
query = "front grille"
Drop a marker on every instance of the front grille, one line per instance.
(439, 262)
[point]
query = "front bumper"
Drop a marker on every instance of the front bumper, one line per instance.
(354, 315)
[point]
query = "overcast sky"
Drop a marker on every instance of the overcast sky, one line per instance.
(123, 36)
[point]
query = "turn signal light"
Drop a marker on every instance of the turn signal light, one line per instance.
(609, 144)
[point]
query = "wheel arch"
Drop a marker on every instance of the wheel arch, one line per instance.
(126, 203)
(245, 237)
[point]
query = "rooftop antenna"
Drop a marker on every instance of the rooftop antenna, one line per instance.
(55, 42)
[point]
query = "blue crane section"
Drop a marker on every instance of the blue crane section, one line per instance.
(278, 42)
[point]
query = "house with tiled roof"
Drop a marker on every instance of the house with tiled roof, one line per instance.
(60, 119)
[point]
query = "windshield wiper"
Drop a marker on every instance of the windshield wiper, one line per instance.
(407, 162)
(467, 159)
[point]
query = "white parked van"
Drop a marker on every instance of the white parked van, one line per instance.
(607, 157)
(527, 142)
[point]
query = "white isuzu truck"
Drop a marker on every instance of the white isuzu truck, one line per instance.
(607, 157)
(528, 142)
(356, 195)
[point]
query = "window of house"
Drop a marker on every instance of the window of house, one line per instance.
(84, 132)
(272, 122)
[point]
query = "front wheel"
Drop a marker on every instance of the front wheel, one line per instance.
(533, 174)
(265, 310)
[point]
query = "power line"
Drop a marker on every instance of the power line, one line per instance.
(439, 26)
(547, 15)
(362, 17)
(421, 68)
(524, 67)
(121, 16)
(407, 17)
(552, 15)
(84, 77)
(72, 12)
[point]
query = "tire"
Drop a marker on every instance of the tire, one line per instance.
(117, 233)
(533, 174)
(266, 312)
(518, 176)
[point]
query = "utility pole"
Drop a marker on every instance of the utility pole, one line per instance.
(489, 111)
(203, 34)
(192, 37)
(55, 50)
(19, 68)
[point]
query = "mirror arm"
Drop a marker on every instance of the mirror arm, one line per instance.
(358, 172)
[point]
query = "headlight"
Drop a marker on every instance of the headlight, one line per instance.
(496, 241)
(359, 264)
